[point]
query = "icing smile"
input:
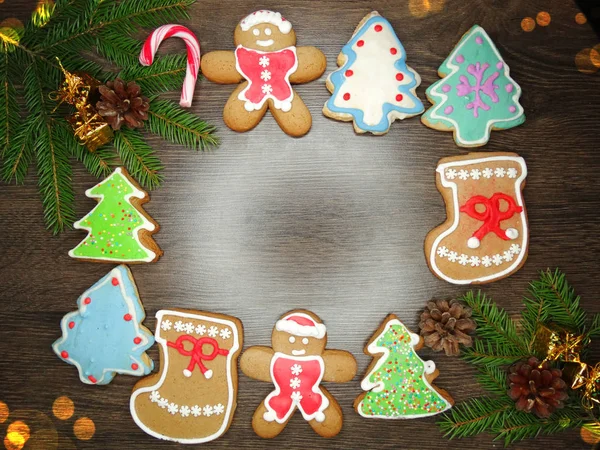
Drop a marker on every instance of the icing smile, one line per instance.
(298, 352)
(266, 43)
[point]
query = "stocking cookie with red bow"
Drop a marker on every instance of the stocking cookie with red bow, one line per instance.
(266, 62)
(193, 398)
(297, 364)
(485, 236)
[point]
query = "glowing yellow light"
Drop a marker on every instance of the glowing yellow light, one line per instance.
(3, 412)
(84, 428)
(63, 408)
(418, 8)
(586, 61)
(14, 441)
(528, 24)
(580, 18)
(543, 19)
(436, 6)
(18, 426)
(589, 437)
(43, 12)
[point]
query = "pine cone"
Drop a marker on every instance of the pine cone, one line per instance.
(122, 103)
(445, 325)
(536, 387)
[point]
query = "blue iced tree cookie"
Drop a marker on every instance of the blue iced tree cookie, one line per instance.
(373, 86)
(476, 93)
(105, 336)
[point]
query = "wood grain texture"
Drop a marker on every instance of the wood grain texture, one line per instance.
(333, 222)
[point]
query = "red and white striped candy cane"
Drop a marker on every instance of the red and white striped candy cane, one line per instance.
(193, 56)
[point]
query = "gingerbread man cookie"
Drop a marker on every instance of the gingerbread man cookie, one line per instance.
(296, 365)
(268, 60)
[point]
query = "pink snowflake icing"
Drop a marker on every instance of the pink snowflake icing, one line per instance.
(486, 86)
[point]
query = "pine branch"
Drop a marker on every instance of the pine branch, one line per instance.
(10, 120)
(489, 353)
(594, 330)
(165, 74)
(123, 51)
(520, 425)
(560, 300)
(493, 379)
(99, 162)
(138, 157)
(19, 153)
(494, 324)
(179, 126)
(475, 416)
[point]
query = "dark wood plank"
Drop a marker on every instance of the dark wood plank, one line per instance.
(332, 222)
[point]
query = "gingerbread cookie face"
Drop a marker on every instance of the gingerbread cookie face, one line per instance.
(193, 398)
(266, 31)
(296, 365)
(398, 382)
(486, 236)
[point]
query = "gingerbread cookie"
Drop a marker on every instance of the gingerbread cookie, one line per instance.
(268, 60)
(485, 236)
(398, 382)
(105, 336)
(476, 93)
(119, 230)
(373, 86)
(193, 398)
(297, 364)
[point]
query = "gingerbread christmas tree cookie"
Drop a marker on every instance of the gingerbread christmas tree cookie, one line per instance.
(119, 230)
(105, 336)
(476, 93)
(266, 62)
(398, 382)
(296, 364)
(193, 397)
(373, 86)
(485, 236)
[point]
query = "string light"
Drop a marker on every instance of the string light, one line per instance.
(543, 19)
(84, 428)
(63, 408)
(527, 24)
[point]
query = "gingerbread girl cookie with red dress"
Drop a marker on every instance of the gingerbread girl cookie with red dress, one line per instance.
(297, 364)
(268, 60)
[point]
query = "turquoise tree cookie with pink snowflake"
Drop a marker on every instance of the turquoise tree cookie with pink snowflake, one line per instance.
(476, 93)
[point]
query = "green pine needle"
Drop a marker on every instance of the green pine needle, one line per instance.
(99, 162)
(493, 379)
(165, 74)
(179, 126)
(10, 119)
(138, 157)
(475, 416)
(19, 153)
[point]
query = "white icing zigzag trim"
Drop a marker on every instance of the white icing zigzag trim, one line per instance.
(485, 174)
(190, 328)
(185, 410)
(477, 261)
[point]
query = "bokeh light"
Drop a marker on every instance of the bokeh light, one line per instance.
(42, 13)
(17, 435)
(63, 408)
(528, 24)
(588, 60)
(588, 436)
(84, 428)
(543, 19)
(420, 8)
(11, 31)
(580, 18)
(3, 412)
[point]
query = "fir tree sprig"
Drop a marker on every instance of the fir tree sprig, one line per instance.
(500, 344)
(73, 30)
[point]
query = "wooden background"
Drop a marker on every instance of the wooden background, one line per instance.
(333, 222)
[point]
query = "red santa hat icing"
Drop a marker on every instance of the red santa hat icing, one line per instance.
(300, 324)
(266, 16)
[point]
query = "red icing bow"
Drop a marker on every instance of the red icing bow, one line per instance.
(491, 217)
(197, 354)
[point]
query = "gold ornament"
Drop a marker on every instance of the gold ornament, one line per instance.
(557, 344)
(81, 91)
(588, 378)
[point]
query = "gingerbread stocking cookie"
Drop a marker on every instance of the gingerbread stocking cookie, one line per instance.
(268, 60)
(485, 236)
(193, 397)
(296, 365)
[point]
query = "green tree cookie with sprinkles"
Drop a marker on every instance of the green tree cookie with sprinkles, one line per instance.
(119, 230)
(476, 93)
(398, 382)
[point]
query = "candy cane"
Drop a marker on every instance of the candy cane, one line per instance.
(193, 56)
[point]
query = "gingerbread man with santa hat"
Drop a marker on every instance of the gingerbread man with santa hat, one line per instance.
(297, 364)
(268, 60)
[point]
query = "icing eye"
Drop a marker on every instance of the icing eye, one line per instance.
(256, 32)
(305, 341)
(268, 31)
(292, 339)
